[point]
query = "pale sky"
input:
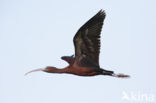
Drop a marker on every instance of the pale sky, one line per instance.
(36, 33)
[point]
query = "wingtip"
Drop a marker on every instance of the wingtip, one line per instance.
(102, 13)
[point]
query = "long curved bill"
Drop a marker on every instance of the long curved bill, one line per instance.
(34, 71)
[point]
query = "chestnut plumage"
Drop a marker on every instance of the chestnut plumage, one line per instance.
(87, 49)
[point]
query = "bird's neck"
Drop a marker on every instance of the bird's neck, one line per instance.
(56, 70)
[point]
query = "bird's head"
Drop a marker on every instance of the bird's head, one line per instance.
(48, 69)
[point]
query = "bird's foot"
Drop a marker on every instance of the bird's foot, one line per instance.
(120, 75)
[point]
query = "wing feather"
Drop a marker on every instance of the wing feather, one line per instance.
(87, 41)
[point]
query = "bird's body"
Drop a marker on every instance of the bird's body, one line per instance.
(87, 49)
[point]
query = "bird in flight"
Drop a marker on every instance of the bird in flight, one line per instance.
(87, 49)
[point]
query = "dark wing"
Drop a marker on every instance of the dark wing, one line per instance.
(69, 59)
(87, 41)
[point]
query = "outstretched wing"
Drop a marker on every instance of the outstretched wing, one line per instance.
(69, 59)
(87, 41)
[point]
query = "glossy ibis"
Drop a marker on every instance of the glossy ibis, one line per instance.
(87, 49)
